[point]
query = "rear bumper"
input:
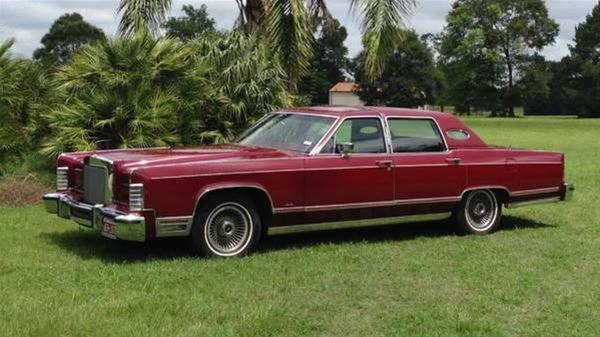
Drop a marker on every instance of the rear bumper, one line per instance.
(567, 192)
(130, 227)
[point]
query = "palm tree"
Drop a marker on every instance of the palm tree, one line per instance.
(24, 96)
(289, 25)
(246, 81)
(142, 15)
(120, 93)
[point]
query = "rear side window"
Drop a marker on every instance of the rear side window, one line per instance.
(415, 135)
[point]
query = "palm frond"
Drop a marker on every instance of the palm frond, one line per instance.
(142, 15)
(318, 10)
(122, 92)
(5, 46)
(251, 14)
(290, 33)
(382, 24)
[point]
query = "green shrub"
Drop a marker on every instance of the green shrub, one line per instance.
(120, 93)
(25, 94)
(248, 82)
(142, 91)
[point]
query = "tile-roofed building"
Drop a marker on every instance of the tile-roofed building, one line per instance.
(344, 93)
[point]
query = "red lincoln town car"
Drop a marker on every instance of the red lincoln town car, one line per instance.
(306, 169)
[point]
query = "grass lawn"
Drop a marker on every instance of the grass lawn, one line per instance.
(538, 276)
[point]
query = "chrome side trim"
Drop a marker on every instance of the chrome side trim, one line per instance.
(174, 226)
(535, 191)
(358, 205)
(532, 202)
(358, 223)
(408, 201)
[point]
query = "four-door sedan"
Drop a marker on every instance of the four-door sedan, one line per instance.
(306, 169)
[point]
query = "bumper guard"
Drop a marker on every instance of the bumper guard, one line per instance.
(130, 227)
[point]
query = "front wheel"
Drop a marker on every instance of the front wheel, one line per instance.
(478, 213)
(226, 225)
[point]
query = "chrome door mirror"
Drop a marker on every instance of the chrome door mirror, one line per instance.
(344, 149)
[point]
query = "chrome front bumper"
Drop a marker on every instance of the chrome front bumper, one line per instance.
(125, 226)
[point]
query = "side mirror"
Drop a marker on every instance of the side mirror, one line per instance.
(344, 149)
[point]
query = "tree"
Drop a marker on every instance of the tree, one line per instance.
(483, 36)
(247, 81)
(328, 64)
(120, 93)
(66, 35)
(289, 26)
(195, 22)
(139, 16)
(536, 87)
(24, 96)
(142, 91)
(584, 65)
(408, 80)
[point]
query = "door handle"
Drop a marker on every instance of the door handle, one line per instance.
(384, 163)
(455, 161)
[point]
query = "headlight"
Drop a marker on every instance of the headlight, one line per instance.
(62, 178)
(136, 197)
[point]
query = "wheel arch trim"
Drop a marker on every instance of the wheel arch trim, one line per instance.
(230, 186)
(486, 187)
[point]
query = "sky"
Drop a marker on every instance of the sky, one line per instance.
(29, 20)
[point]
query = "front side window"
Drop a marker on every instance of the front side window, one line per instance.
(415, 135)
(291, 132)
(365, 134)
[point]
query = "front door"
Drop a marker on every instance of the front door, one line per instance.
(363, 178)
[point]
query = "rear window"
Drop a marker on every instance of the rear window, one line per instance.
(415, 135)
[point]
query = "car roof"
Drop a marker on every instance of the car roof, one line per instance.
(444, 120)
(363, 110)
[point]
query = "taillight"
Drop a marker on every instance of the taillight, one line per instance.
(62, 178)
(136, 197)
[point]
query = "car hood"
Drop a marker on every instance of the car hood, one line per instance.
(136, 158)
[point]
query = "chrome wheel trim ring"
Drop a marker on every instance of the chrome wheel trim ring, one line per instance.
(481, 210)
(228, 229)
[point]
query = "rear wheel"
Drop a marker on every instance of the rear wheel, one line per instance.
(478, 213)
(226, 225)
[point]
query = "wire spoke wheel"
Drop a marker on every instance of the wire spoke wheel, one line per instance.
(228, 229)
(481, 210)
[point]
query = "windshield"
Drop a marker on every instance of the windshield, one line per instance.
(292, 132)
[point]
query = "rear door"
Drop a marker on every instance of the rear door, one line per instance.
(425, 170)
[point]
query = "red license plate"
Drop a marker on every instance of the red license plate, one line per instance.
(108, 229)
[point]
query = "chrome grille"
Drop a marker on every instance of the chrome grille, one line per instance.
(94, 185)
